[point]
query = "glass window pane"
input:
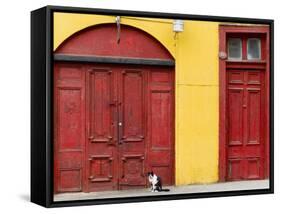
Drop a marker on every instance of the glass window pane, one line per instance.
(254, 48)
(234, 48)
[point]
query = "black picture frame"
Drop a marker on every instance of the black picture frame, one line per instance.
(42, 110)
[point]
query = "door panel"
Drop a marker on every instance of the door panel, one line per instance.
(69, 112)
(160, 124)
(131, 129)
(253, 168)
(245, 151)
(100, 97)
(235, 169)
(235, 97)
(254, 107)
(69, 101)
(132, 107)
(160, 115)
(101, 148)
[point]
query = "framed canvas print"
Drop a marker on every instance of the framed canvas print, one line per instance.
(141, 106)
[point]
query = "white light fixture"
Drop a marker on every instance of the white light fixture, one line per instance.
(178, 26)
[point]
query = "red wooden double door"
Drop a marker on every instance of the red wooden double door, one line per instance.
(113, 123)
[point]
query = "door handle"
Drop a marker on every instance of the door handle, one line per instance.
(120, 134)
(120, 141)
(120, 123)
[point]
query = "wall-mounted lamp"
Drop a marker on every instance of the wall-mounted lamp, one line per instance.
(178, 26)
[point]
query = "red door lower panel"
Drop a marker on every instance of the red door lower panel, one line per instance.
(118, 124)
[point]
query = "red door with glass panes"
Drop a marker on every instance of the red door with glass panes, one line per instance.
(243, 110)
(113, 122)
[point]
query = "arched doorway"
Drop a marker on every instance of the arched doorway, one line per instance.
(113, 110)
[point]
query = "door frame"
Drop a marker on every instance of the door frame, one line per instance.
(225, 29)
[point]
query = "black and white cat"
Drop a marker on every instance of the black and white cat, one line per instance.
(155, 182)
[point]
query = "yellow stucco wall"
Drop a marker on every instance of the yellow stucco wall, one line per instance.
(197, 100)
(196, 54)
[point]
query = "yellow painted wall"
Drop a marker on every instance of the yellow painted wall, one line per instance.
(197, 103)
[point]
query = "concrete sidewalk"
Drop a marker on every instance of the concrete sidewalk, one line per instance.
(215, 187)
